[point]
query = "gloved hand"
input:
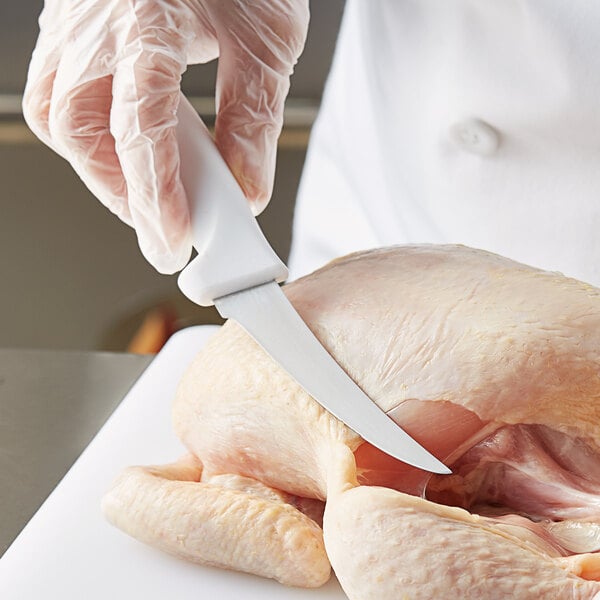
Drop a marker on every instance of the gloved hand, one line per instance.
(103, 89)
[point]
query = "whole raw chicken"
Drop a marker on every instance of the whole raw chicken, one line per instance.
(492, 365)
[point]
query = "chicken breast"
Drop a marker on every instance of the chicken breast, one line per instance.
(492, 365)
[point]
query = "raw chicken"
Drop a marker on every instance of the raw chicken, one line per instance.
(492, 365)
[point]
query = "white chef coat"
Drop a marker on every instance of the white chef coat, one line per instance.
(460, 121)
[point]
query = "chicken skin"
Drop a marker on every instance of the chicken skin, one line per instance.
(492, 365)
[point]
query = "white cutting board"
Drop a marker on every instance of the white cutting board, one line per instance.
(69, 551)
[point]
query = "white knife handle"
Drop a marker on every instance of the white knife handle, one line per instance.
(233, 253)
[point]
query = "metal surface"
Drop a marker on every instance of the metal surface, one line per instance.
(51, 406)
(267, 315)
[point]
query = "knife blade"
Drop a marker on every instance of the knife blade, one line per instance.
(237, 270)
(266, 314)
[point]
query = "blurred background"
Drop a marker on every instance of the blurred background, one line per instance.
(71, 273)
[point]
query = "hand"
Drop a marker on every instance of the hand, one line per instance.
(103, 89)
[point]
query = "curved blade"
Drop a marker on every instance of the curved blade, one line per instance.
(267, 315)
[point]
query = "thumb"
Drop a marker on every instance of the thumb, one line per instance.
(253, 79)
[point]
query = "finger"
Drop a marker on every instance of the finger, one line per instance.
(79, 127)
(258, 53)
(146, 89)
(36, 101)
(41, 73)
(203, 46)
(79, 111)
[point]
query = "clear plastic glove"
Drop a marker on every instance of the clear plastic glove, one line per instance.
(103, 89)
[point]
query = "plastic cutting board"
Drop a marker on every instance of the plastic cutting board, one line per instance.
(69, 551)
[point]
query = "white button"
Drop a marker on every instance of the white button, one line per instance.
(475, 136)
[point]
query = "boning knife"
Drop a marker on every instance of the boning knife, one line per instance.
(237, 270)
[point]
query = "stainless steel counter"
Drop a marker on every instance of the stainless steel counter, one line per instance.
(52, 403)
